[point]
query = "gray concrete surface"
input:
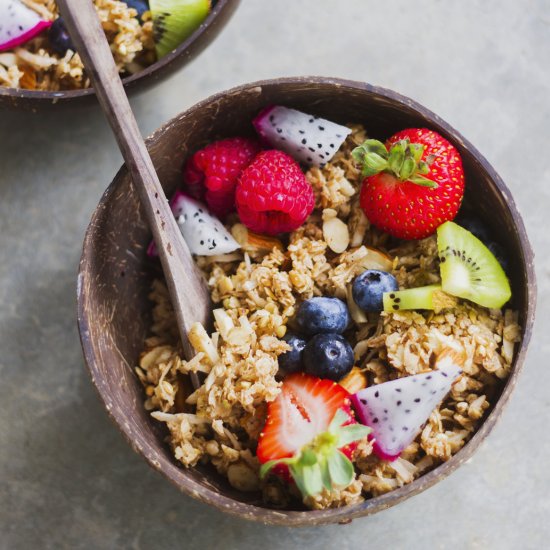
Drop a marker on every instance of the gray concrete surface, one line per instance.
(67, 478)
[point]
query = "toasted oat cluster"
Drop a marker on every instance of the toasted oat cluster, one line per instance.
(34, 66)
(257, 291)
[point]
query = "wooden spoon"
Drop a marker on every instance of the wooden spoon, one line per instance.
(187, 287)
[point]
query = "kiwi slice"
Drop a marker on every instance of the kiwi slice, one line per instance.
(469, 269)
(175, 20)
(424, 297)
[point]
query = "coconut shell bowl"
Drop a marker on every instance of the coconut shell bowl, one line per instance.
(37, 101)
(114, 313)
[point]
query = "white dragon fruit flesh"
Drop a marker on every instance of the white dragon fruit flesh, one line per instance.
(204, 234)
(18, 24)
(310, 140)
(397, 410)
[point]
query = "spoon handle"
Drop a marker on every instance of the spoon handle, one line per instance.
(190, 297)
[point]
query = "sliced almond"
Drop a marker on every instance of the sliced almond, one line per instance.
(376, 259)
(360, 230)
(202, 342)
(250, 240)
(8, 59)
(357, 314)
(224, 323)
(336, 233)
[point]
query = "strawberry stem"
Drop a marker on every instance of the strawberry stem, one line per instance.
(320, 464)
(403, 160)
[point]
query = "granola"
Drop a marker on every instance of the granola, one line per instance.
(257, 291)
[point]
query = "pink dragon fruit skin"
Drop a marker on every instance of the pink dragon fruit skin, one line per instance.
(204, 234)
(310, 140)
(18, 24)
(397, 410)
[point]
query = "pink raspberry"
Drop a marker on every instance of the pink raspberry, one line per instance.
(211, 173)
(273, 195)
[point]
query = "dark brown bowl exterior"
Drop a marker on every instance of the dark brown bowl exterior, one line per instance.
(114, 277)
(12, 99)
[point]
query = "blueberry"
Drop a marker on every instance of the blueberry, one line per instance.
(369, 287)
(59, 38)
(476, 227)
(291, 361)
(328, 356)
(141, 6)
(322, 315)
(499, 253)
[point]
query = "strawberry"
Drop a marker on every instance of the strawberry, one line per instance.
(310, 434)
(413, 184)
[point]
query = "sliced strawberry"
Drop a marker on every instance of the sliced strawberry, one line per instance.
(309, 416)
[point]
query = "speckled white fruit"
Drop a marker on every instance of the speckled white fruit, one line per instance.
(397, 410)
(311, 140)
(18, 24)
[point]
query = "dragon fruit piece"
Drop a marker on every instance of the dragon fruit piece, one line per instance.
(397, 410)
(204, 234)
(310, 140)
(18, 24)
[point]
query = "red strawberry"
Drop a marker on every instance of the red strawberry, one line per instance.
(273, 195)
(310, 433)
(413, 184)
(211, 173)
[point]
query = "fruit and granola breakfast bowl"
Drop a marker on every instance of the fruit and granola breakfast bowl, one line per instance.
(373, 298)
(150, 39)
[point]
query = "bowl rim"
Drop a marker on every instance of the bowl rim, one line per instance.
(347, 513)
(159, 65)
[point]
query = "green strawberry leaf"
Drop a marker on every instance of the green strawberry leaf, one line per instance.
(416, 150)
(397, 156)
(313, 480)
(308, 457)
(339, 418)
(372, 156)
(423, 181)
(340, 468)
(423, 168)
(370, 146)
(325, 474)
(373, 164)
(297, 473)
(352, 432)
(407, 168)
(269, 465)
(403, 160)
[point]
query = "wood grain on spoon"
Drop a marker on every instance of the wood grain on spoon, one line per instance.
(188, 291)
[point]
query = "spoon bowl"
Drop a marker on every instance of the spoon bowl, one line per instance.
(114, 279)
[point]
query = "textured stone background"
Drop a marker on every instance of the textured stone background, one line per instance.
(67, 478)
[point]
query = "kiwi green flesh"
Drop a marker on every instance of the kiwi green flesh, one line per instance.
(176, 20)
(469, 269)
(410, 298)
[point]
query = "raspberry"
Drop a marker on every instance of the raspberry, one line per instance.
(273, 195)
(211, 173)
